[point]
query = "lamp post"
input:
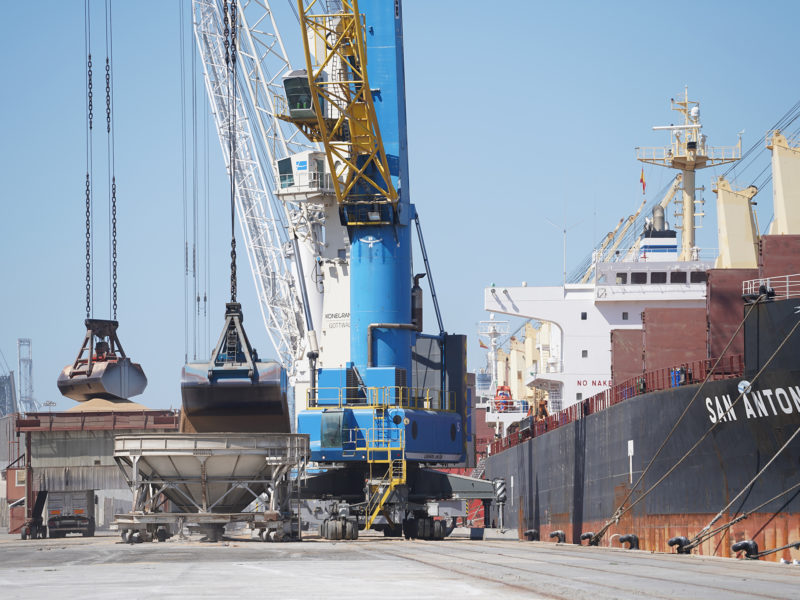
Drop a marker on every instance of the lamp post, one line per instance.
(564, 230)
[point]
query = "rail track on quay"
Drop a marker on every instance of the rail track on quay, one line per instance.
(76, 567)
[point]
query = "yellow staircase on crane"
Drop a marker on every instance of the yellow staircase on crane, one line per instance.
(387, 465)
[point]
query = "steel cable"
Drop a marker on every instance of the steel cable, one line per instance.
(619, 511)
(707, 534)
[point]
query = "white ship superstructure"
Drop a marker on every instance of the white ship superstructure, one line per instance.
(583, 316)
(640, 265)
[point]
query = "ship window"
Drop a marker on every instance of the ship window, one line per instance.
(622, 278)
(584, 353)
(624, 316)
(638, 277)
(677, 277)
(658, 277)
(578, 396)
(583, 316)
(698, 277)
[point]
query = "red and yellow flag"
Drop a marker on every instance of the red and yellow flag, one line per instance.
(482, 344)
(642, 181)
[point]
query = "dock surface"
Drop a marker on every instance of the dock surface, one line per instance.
(103, 566)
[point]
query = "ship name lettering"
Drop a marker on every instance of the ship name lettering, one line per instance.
(720, 411)
(748, 408)
(795, 392)
(783, 401)
(768, 396)
(761, 408)
(759, 402)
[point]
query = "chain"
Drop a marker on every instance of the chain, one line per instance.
(226, 32)
(234, 18)
(230, 60)
(90, 115)
(89, 74)
(114, 240)
(88, 247)
(108, 96)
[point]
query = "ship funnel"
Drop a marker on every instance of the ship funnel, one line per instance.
(658, 218)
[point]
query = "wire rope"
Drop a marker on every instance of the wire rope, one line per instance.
(182, 54)
(621, 510)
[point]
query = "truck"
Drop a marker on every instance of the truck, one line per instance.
(70, 512)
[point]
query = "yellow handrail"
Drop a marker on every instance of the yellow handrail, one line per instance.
(321, 398)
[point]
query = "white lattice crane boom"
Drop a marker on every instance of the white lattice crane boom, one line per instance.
(259, 138)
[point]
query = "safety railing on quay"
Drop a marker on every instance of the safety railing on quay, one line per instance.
(658, 380)
(380, 397)
(783, 286)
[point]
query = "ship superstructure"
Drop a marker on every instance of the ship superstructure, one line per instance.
(639, 266)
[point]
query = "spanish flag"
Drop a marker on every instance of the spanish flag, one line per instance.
(482, 344)
(641, 180)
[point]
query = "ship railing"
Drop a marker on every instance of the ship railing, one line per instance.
(667, 153)
(381, 397)
(660, 379)
(784, 286)
(497, 405)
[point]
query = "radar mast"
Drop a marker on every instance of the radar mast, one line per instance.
(688, 153)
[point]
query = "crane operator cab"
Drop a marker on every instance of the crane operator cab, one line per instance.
(298, 96)
(101, 370)
(234, 391)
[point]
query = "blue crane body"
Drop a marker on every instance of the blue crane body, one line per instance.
(349, 416)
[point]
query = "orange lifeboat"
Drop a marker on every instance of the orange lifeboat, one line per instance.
(502, 399)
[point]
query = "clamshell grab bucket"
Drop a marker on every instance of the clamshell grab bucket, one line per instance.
(101, 369)
(234, 392)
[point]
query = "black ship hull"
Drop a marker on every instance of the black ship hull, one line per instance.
(573, 477)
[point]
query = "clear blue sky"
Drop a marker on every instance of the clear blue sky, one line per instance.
(518, 111)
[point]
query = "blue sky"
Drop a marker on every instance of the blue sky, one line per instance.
(518, 112)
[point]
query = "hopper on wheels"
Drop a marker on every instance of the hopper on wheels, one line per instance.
(209, 480)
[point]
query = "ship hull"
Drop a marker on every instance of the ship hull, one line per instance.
(572, 478)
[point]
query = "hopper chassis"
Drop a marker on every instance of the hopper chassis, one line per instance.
(210, 479)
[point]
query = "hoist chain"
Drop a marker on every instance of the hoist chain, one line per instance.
(230, 60)
(226, 32)
(114, 241)
(88, 247)
(89, 74)
(108, 96)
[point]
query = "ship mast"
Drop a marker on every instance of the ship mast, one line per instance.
(688, 153)
(493, 330)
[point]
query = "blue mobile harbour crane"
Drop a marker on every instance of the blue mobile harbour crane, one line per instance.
(376, 424)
